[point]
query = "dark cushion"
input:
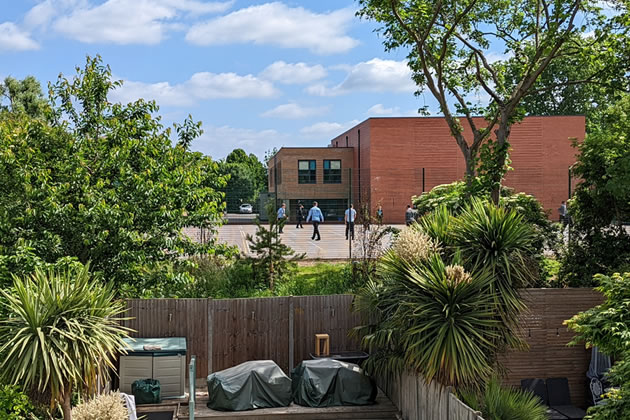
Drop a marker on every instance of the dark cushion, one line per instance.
(571, 411)
(558, 391)
(537, 387)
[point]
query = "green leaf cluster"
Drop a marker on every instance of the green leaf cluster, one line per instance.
(104, 182)
(14, 404)
(247, 179)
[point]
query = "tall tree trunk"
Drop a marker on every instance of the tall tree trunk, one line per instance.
(66, 406)
(502, 133)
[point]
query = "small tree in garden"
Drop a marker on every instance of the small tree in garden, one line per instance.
(272, 259)
(61, 333)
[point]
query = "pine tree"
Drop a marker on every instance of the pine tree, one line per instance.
(271, 258)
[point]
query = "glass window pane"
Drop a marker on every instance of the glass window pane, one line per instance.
(335, 164)
(303, 165)
(326, 164)
(312, 164)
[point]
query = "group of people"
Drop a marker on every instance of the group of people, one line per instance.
(316, 216)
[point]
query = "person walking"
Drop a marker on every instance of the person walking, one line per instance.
(300, 216)
(282, 215)
(349, 217)
(410, 215)
(379, 215)
(562, 210)
(315, 215)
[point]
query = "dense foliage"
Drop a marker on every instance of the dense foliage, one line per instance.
(247, 179)
(600, 208)
(504, 403)
(61, 333)
(457, 195)
(606, 326)
(102, 182)
(104, 406)
(446, 300)
(14, 404)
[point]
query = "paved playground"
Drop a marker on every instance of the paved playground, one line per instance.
(333, 244)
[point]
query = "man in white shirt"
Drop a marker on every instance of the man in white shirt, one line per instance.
(349, 218)
(282, 215)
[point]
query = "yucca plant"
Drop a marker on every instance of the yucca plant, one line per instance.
(62, 331)
(500, 241)
(501, 403)
(434, 318)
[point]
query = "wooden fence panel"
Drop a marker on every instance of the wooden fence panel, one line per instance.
(173, 318)
(548, 355)
(250, 329)
(330, 315)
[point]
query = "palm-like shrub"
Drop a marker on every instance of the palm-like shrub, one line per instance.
(434, 318)
(498, 403)
(501, 241)
(62, 332)
(450, 308)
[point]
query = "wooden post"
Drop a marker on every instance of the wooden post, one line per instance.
(210, 328)
(291, 337)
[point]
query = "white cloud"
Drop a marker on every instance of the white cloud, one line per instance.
(279, 25)
(13, 38)
(219, 141)
(327, 129)
(379, 109)
(119, 21)
(376, 75)
(293, 111)
(201, 86)
(293, 73)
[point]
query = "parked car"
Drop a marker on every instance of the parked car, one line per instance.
(246, 208)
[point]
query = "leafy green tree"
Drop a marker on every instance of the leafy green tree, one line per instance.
(103, 182)
(601, 204)
(22, 96)
(450, 42)
(240, 187)
(61, 333)
(606, 326)
(271, 259)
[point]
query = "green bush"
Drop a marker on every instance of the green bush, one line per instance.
(499, 403)
(14, 404)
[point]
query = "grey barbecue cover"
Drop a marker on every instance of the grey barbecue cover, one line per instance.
(250, 385)
(328, 382)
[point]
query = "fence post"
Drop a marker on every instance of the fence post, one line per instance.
(210, 333)
(291, 338)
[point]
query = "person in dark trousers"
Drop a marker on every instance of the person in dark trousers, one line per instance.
(379, 214)
(315, 215)
(349, 218)
(300, 216)
(410, 215)
(282, 215)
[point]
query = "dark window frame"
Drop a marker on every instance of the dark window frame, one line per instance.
(307, 176)
(332, 176)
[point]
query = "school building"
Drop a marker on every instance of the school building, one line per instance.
(386, 161)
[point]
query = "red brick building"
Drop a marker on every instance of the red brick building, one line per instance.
(392, 159)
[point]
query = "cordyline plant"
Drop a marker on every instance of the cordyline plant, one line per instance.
(61, 333)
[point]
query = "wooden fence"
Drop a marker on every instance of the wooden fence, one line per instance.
(418, 400)
(233, 331)
(226, 332)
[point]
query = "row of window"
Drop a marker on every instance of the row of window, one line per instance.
(307, 171)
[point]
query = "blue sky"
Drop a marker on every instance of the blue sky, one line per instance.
(258, 74)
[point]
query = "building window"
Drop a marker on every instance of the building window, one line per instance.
(279, 173)
(306, 172)
(332, 172)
